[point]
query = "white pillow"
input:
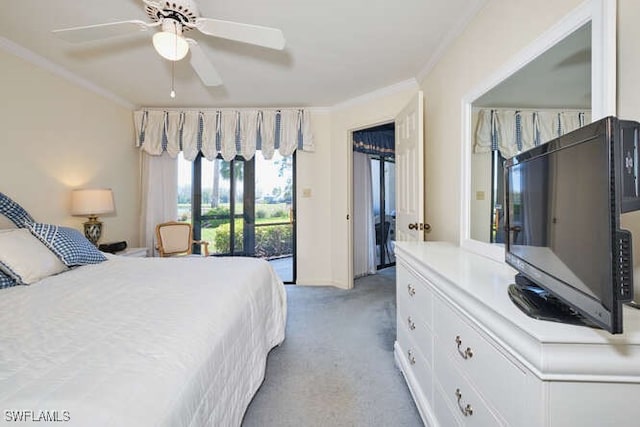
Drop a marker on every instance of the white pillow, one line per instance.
(25, 258)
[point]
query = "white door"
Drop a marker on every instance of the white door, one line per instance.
(410, 171)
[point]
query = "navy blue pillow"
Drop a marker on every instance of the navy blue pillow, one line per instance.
(6, 281)
(68, 244)
(15, 212)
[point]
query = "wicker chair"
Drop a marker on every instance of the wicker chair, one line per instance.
(176, 238)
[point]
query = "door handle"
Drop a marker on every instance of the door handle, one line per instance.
(420, 226)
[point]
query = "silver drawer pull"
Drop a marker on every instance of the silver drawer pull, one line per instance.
(411, 290)
(411, 357)
(466, 410)
(466, 354)
(411, 323)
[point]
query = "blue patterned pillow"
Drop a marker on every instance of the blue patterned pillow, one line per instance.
(6, 281)
(14, 212)
(68, 244)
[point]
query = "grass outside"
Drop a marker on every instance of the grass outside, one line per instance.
(269, 210)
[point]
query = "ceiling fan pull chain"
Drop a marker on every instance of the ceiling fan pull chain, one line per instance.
(173, 67)
(172, 94)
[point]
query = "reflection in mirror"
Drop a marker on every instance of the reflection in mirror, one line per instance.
(546, 98)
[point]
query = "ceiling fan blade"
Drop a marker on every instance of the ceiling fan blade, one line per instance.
(101, 31)
(203, 66)
(153, 4)
(245, 33)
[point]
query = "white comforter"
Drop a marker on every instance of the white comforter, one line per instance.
(140, 342)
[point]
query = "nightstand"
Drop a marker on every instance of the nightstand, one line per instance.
(133, 252)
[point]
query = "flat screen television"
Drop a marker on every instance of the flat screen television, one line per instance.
(563, 202)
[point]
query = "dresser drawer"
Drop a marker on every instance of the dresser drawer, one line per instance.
(414, 294)
(461, 397)
(411, 321)
(444, 413)
(420, 368)
(481, 361)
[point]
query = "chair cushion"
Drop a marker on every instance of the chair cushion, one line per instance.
(68, 244)
(175, 238)
(25, 259)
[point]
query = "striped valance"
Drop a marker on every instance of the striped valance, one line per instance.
(227, 132)
(513, 131)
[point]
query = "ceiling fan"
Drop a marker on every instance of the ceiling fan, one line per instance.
(176, 17)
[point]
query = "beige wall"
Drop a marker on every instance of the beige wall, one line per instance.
(56, 136)
(313, 173)
(628, 93)
(499, 31)
(628, 59)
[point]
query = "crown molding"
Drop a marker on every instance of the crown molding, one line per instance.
(449, 38)
(319, 110)
(46, 64)
(411, 83)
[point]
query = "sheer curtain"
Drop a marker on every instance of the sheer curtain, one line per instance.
(159, 195)
(364, 239)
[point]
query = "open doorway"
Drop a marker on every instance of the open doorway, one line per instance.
(373, 199)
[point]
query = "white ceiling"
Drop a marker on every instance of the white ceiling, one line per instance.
(336, 49)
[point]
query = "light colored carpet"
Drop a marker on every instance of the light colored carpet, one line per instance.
(336, 367)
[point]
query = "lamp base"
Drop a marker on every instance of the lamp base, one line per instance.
(93, 230)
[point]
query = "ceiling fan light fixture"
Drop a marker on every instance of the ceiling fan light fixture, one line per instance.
(169, 42)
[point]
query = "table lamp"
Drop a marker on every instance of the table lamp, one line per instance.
(91, 203)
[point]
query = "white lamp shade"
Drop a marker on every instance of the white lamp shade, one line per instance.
(170, 46)
(87, 202)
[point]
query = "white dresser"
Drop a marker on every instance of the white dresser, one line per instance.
(471, 358)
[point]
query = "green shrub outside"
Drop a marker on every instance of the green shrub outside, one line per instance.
(271, 241)
(274, 241)
(221, 240)
(221, 212)
(278, 213)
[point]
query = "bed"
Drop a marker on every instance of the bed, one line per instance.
(140, 342)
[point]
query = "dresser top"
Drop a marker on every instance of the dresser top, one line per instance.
(478, 287)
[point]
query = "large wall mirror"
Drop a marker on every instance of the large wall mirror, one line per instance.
(564, 80)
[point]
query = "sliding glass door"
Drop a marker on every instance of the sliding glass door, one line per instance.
(275, 213)
(383, 174)
(243, 207)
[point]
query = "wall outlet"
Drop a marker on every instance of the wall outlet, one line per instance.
(306, 192)
(479, 195)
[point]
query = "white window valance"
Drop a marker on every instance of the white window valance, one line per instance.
(513, 131)
(227, 132)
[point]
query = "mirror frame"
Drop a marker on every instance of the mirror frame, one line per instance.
(602, 14)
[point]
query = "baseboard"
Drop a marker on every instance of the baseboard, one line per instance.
(424, 408)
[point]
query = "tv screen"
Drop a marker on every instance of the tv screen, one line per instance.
(563, 203)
